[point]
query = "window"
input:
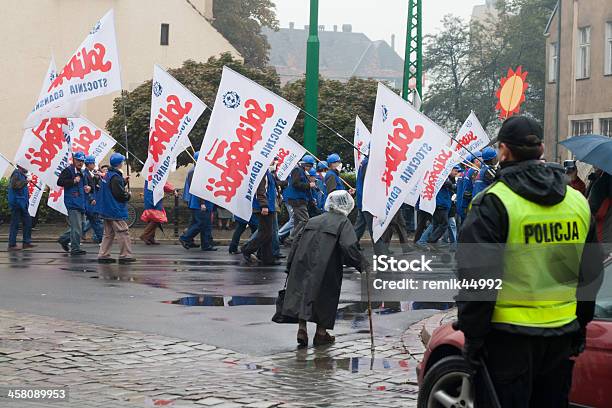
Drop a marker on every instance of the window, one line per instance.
(608, 53)
(583, 54)
(552, 62)
(165, 34)
(582, 127)
(605, 125)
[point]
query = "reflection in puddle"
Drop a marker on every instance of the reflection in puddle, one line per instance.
(351, 364)
(208, 300)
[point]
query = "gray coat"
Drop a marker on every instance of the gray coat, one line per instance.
(315, 268)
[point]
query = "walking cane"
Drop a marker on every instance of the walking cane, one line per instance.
(489, 384)
(369, 309)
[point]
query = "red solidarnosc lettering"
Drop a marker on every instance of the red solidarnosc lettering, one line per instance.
(85, 140)
(238, 157)
(55, 195)
(282, 154)
(82, 64)
(397, 147)
(465, 140)
(431, 177)
(32, 184)
(359, 144)
(52, 141)
(166, 127)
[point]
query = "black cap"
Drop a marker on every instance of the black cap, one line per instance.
(521, 131)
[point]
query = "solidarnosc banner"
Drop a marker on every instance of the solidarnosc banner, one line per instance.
(435, 176)
(174, 112)
(404, 143)
(93, 70)
(471, 136)
(289, 155)
(361, 141)
(35, 190)
(247, 127)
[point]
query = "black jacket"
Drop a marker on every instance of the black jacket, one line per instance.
(487, 225)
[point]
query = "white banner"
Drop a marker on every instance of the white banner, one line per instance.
(56, 200)
(183, 144)
(247, 127)
(435, 176)
(361, 141)
(289, 155)
(4, 164)
(45, 150)
(36, 189)
(174, 112)
(89, 139)
(404, 143)
(471, 135)
(93, 70)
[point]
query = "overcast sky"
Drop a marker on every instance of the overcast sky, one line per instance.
(378, 19)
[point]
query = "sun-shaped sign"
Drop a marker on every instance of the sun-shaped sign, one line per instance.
(511, 93)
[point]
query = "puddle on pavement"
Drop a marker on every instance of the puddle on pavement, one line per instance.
(351, 364)
(224, 301)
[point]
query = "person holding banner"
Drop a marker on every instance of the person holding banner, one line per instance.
(18, 201)
(264, 205)
(465, 185)
(154, 215)
(315, 267)
(93, 221)
(299, 195)
(113, 199)
(76, 190)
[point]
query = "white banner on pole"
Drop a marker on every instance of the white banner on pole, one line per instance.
(361, 141)
(93, 70)
(174, 112)
(36, 189)
(89, 139)
(247, 127)
(289, 155)
(435, 176)
(404, 143)
(56, 200)
(471, 135)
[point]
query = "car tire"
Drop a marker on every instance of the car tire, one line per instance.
(448, 381)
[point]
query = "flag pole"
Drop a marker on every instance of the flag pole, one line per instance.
(15, 166)
(125, 136)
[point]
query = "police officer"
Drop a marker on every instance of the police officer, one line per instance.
(112, 202)
(529, 229)
(298, 194)
(18, 201)
(75, 196)
(485, 176)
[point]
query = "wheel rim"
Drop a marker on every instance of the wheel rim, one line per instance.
(452, 390)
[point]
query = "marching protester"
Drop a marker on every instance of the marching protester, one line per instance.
(112, 199)
(572, 173)
(320, 181)
(318, 197)
(440, 219)
(201, 217)
(299, 195)
(154, 215)
(465, 185)
(485, 175)
(364, 218)
(315, 268)
(599, 194)
(240, 226)
(91, 214)
(18, 201)
(333, 181)
(524, 336)
(75, 197)
(264, 205)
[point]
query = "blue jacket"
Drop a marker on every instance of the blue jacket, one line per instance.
(482, 180)
(444, 196)
(186, 194)
(319, 193)
(270, 194)
(297, 182)
(89, 197)
(18, 198)
(148, 199)
(339, 185)
(193, 202)
(74, 194)
(359, 188)
(108, 207)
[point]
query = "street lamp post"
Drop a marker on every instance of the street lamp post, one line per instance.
(312, 79)
(413, 58)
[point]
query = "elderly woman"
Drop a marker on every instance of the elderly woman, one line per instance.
(315, 268)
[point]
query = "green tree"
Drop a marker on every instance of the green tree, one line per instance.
(240, 21)
(339, 103)
(200, 78)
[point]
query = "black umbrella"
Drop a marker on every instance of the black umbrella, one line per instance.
(592, 149)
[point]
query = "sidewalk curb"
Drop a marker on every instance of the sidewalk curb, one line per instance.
(419, 334)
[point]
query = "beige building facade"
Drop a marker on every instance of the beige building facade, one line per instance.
(581, 73)
(164, 32)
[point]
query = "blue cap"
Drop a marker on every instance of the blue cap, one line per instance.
(457, 167)
(196, 155)
(116, 159)
(90, 159)
(333, 158)
(488, 153)
(80, 156)
(322, 165)
(312, 172)
(308, 159)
